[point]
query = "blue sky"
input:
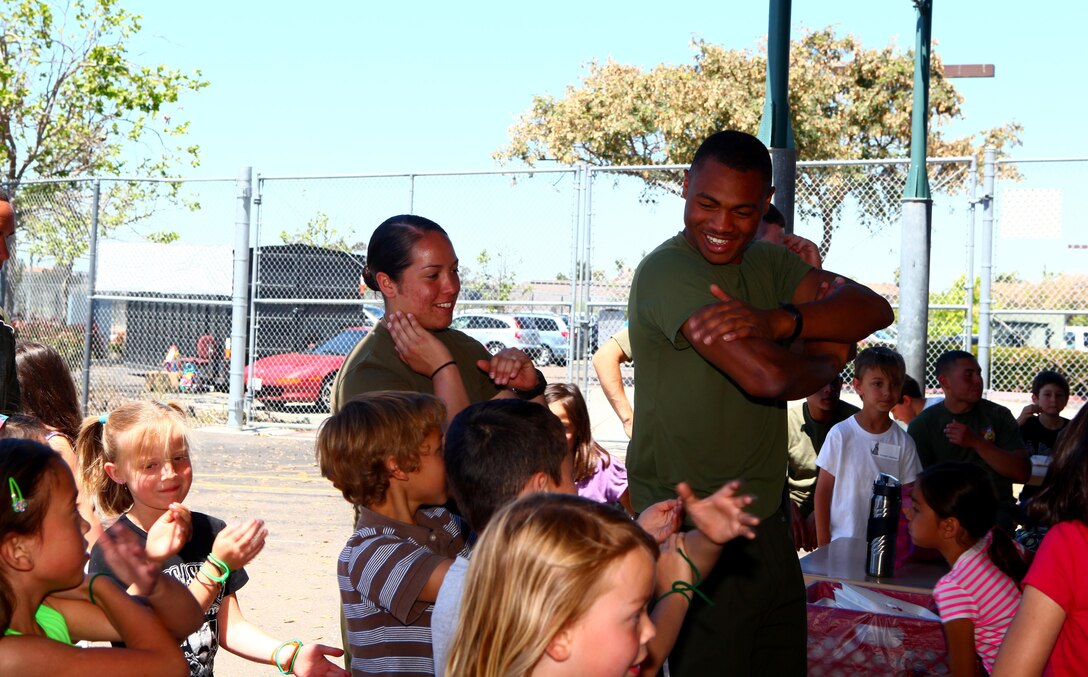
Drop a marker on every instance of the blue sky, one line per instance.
(336, 87)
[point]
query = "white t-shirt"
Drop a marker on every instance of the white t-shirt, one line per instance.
(447, 611)
(856, 458)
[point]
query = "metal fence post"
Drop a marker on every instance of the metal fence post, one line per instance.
(984, 316)
(969, 283)
(235, 399)
(88, 326)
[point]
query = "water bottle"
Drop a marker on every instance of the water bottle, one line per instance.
(883, 527)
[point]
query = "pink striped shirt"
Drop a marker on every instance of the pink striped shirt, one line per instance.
(977, 590)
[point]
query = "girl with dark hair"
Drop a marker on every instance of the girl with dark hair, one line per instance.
(49, 393)
(47, 603)
(954, 510)
(411, 262)
(597, 475)
(1050, 632)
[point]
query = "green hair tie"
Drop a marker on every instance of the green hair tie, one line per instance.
(18, 503)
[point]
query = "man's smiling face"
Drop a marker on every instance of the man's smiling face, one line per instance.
(722, 209)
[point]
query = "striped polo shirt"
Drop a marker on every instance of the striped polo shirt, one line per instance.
(977, 590)
(381, 572)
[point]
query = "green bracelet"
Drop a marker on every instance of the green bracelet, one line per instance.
(686, 589)
(224, 570)
(90, 583)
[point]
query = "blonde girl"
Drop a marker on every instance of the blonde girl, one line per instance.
(597, 475)
(136, 464)
(46, 603)
(557, 585)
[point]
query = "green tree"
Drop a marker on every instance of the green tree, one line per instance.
(847, 103)
(491, 279)
(74, 104)
(319, 233)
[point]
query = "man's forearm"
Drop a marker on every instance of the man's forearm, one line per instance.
(1014, 464)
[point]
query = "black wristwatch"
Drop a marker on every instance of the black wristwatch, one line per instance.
(798, 322)
(536, 391)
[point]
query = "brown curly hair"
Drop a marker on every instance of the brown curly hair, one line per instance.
(354, 443)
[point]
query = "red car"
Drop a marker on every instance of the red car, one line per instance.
(302, 377)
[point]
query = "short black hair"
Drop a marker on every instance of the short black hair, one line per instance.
(774, 216)
(911, 388)
(493, 448)
(1049, 377)
(736, 150)
(948, 359)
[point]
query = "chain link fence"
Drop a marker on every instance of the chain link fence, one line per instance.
(1039, 290)
(551, 251)
(160, 276)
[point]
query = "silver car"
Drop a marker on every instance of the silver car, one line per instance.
(554, 337)
(496, 332)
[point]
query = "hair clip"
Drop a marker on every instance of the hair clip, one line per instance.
(102, 418)
(18, 503)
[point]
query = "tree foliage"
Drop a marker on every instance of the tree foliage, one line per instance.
(71, 101)
(847, 102)
(74, 105)
(318, 233)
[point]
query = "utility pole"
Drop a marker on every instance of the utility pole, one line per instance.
(917, 212)
(775, 129)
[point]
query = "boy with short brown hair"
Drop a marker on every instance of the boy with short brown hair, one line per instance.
(861, 448)
(383, 451)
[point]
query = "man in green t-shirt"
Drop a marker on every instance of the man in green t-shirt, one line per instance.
(712, 316)
(968, 429)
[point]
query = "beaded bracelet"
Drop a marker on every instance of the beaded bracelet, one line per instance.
(684, 588)
(288, 666)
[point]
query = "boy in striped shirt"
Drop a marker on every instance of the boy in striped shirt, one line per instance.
(383, 451)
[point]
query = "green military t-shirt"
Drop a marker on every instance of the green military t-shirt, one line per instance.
(806, 438)
(373, 364)
(991, 421)
(692, 423)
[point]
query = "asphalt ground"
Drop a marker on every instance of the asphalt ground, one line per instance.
(292, 591)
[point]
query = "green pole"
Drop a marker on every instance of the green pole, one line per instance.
(918, 180)
(775, 129)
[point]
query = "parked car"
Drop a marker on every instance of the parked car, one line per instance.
(497, 332)
(286, 378)
(554, 337)
(372, 314)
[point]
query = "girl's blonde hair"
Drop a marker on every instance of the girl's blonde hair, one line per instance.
(586, 451)
(539, 567)
(131, 433)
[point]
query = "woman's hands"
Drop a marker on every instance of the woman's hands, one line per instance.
(510, 368)
(169, 533)
(417, 347)
(238, 544)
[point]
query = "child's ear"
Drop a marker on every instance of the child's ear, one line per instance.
(855, 383)
(15, 552)
(537, 484)
(559, 648)
(1035, 399)
(113, 472)
(949, 527)
(394, 470)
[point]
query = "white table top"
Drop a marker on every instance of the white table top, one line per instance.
(844, 560)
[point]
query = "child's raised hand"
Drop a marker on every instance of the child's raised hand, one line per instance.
(720, 516)
(169, 533)
(238, 544)
(129, 562)
(312, 661)
(661, 519)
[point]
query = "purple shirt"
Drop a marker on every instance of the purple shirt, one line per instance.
(607, 484)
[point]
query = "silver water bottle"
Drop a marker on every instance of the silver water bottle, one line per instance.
(883, 527)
